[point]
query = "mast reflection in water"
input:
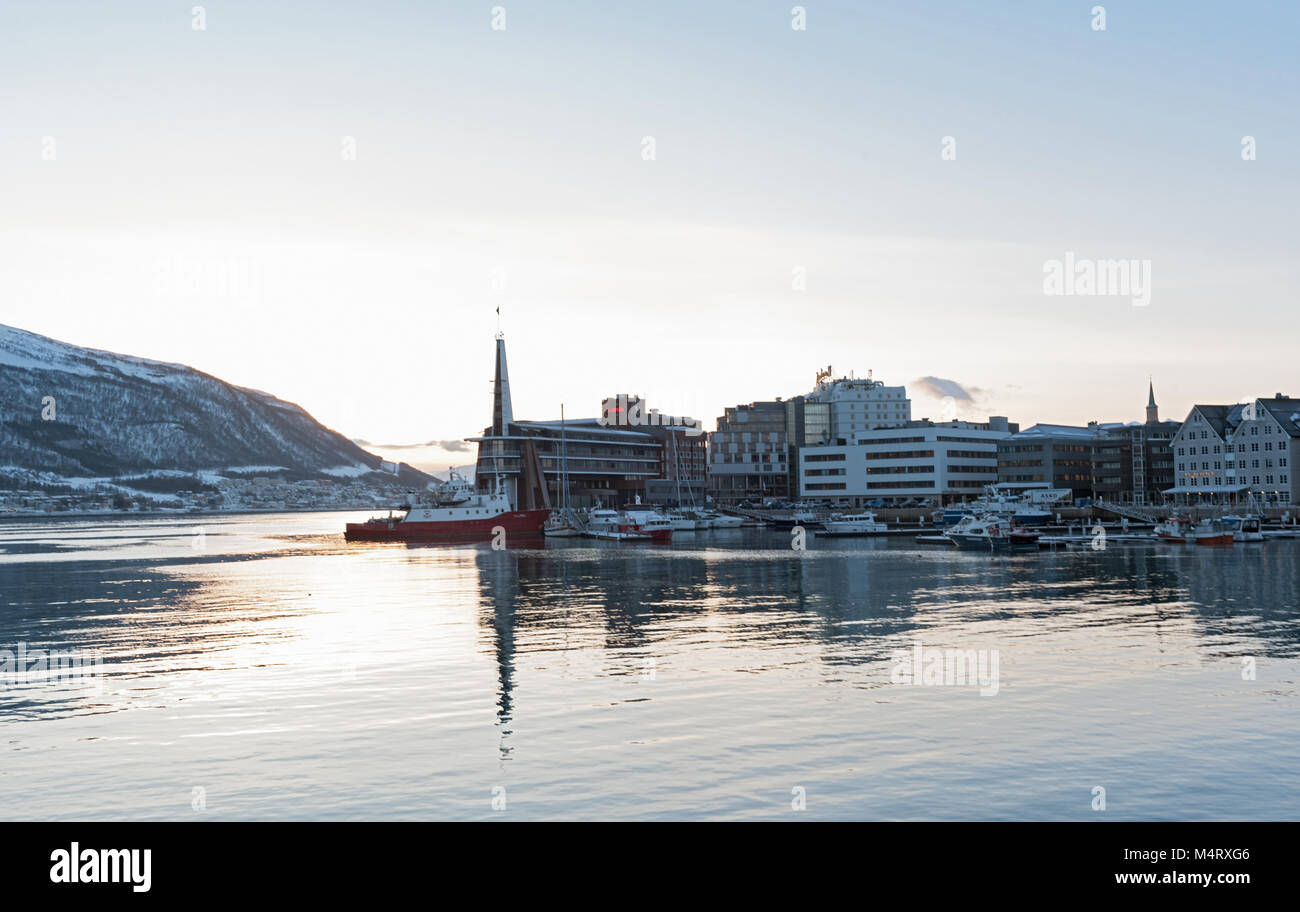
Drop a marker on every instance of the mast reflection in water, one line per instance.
(289, 675)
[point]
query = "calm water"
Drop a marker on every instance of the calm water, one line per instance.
(264, 669)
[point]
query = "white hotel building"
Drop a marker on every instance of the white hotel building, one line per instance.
(854, 406)
(854, 440)
(936, 461)
(1231, 452)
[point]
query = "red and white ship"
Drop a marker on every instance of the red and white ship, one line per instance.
(634, 523)
(1175, 529)
(458, 513)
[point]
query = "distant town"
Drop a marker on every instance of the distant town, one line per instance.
(192, 494)
(852, 442)
(849, 442)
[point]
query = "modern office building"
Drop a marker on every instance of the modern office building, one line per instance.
(747, 453)
(1059, 455)
(839, 411)
(1127, 463)
(683, 467)
(1231, 453)
(938, 462)
(753, 454)
(1133, 463)
(851, 406)
(612, 465)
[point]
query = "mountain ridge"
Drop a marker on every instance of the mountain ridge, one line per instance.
(77, 412)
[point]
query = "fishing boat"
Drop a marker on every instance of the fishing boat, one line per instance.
(1211, 532)
(616, 525)
(457, 513)
(624, 533)
(853, 524)
(650, 521)
(1175, 529)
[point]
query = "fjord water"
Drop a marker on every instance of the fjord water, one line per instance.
(257, 667)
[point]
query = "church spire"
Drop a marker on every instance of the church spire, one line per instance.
(502, 412)
(1153, 412)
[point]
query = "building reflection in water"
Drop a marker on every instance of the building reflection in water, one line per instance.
(861, 603)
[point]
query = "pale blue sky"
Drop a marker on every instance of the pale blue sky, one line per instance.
(198, 209)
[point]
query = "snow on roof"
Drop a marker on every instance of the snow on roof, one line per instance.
(1056, 430)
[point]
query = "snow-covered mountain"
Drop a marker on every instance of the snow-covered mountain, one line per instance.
(78, 412)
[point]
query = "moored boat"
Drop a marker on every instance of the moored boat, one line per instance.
(637, 524)
(853, 524)
(456, 514)
(805, 518)
(721, 520)
(685, 521)
(649, 521)
(1210, 532)
(1245, 528)
(560, 525)
(1175, 530)
(990, 532)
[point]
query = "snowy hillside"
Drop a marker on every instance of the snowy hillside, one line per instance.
(78, 412)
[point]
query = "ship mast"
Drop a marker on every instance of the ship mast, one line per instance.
(564, 463)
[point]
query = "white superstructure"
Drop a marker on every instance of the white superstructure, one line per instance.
(858, 405)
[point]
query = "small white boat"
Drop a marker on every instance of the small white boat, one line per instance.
(853, 524)
(561, 525)
(718, 520)
(1245, 528)
(686, 521)
(991, 532)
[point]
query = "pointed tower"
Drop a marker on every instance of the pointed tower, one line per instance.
(502, 413)
(1153, 412)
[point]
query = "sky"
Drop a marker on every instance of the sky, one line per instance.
(695, 202)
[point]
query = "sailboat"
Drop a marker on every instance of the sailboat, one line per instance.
(684, 519)
(563, 523)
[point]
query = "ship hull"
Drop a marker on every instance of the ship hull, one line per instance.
(517, 522)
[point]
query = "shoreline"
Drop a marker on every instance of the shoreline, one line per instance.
(158, 514)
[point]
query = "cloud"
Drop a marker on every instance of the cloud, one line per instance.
(450, 446)
(939, 388)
